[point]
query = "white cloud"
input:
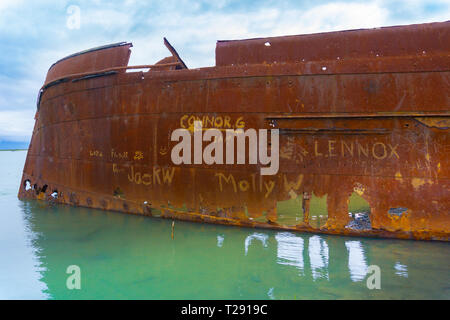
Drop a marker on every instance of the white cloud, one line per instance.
(107, 19)
(195, 36)
(333, 17)
(7, 4)
(18, 94)
(16, 125)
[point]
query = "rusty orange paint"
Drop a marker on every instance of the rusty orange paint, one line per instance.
(362, 115)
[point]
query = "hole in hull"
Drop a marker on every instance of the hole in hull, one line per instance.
(290, 211)
(27, 185)
(118, 193)
(318, 211)
(54, 194)
(397, 211)
(359, 211)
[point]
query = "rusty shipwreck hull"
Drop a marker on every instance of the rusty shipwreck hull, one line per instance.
(364, 133)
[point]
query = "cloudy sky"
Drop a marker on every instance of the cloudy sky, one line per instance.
(36, 33)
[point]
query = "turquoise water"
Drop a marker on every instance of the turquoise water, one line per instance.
(131, 257)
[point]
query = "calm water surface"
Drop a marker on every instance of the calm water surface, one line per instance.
(125, 256)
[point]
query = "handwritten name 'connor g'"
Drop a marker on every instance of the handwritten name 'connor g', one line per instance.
(213, 153)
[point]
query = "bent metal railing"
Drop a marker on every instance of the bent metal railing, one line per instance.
(271, 118)
(98, 73)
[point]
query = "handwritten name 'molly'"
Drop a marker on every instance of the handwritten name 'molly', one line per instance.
(213, 153)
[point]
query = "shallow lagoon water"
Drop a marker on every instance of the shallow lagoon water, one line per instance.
(132, 257)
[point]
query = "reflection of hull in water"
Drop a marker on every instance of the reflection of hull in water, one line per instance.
(225, 262)
(363, 120)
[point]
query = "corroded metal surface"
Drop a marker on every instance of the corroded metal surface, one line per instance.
(415, 40)
(364, 140)
(95, 59)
